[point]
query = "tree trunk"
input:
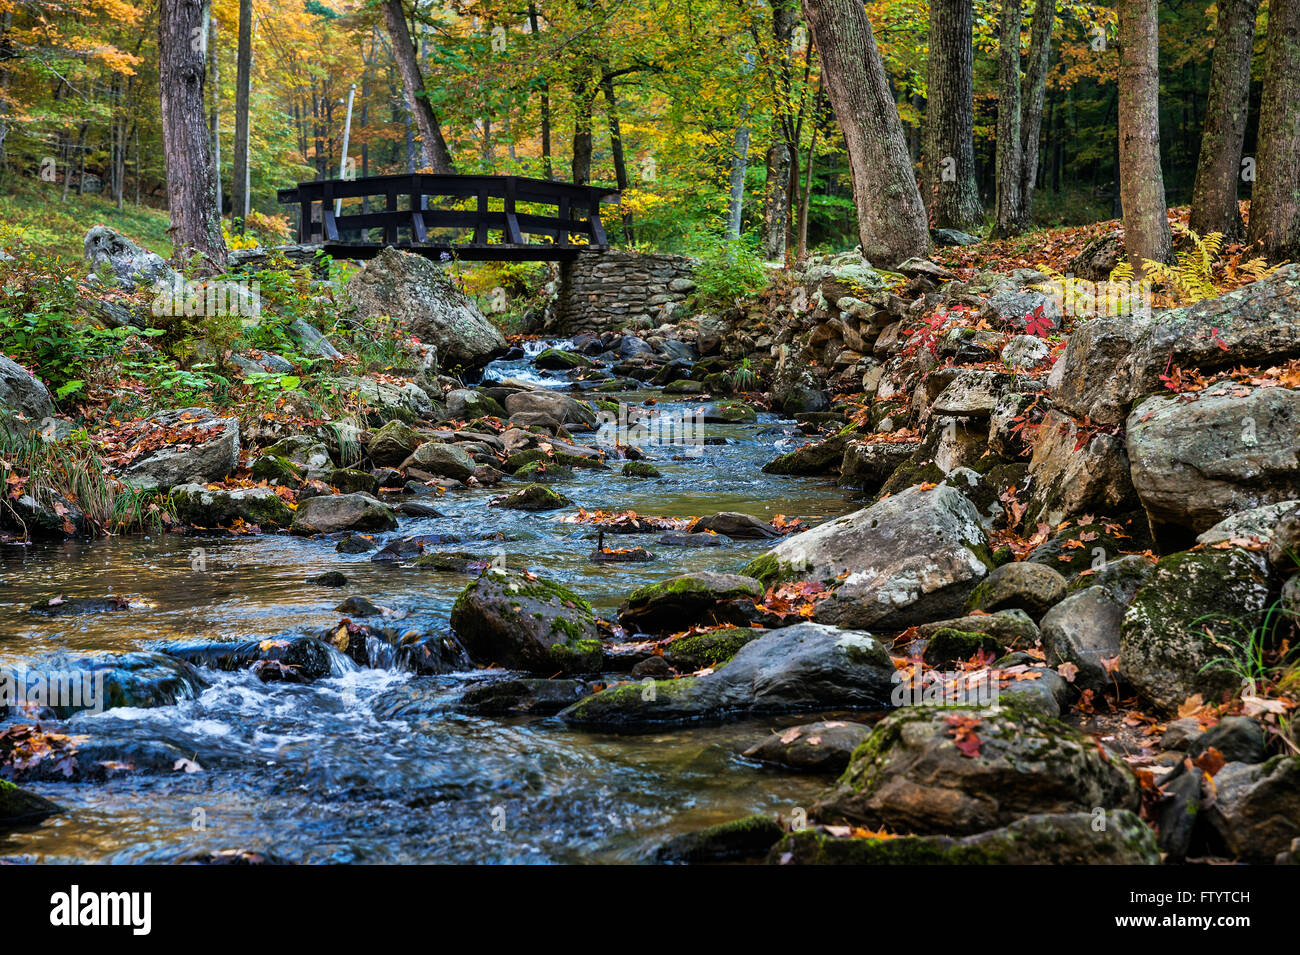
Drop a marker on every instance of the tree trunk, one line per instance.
(616, 146)
(584, 97)
(243, 72)
(739, 160)
(1009, 157)
(954, 198)
(1214, 196)
(191, 185)
(891, 216)
(545, 105)
(433, 147)
(776, 205)
(216, 114)
(802, 233)
(1031, 120)
(1141, 183)
(1275, 203)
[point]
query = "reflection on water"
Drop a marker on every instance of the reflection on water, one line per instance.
(310, 774)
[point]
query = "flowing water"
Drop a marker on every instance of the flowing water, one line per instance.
(309, 773)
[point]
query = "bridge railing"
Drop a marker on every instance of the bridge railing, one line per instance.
(410, 216)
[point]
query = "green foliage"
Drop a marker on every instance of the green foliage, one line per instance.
(728, 270)
(743, 377)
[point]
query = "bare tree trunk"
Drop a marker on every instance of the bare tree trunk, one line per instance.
(545, 105)
(954, 198)
(739, 160)
(243, 75)
(584, 101)
(776, 206)
(436, 155)
(1275, 203)
(1214, 197)
(1031, 121)
(1141, 183)
(1009, 157)
(216, 114)
(6, 21)
(802, 234)
(891, 216)
(616, 146)
(191, 187)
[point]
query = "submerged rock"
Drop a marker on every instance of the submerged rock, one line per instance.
(63, 684)
(514, 619)
(824, 747)
(735, 525)
(528, 695)
(795, 668)
(307, 657)
(747, 838)
(18, 807)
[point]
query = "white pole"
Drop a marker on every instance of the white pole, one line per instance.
(347, 133)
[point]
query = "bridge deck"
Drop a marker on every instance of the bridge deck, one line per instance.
(479, 208)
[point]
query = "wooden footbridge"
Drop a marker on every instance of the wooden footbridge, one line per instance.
(437, 216)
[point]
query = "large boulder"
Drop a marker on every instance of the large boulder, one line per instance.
(24, 402)
(412, 289)
(330, 513)
(956, 770)
(113, 254)
(807, 666)
(679, 602)
(1230, 448)
(445, 460)
(1180, 622)
(908, 558)
(1076, 470)
(515, 619)
(196, 446)
(1256, 811)
(1111, 362)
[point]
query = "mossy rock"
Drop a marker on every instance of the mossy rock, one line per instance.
(557, 359)
(518, 620)
(1079, 838)
(196, 504)
(350, 480)
(732, 412)
(684, 386)
(747, 838)
(534, 497)
(710, 649)
(275, 469)
(819, 457)
(948, 646)
(392, 444)
(718, 383)
(1076, 549)
(544, 472)
(640, 469)
(679, 602)
(521, 458)
(18, 807)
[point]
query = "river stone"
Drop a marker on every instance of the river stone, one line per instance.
(392, 444)
(679, 602)
(1256, 812)
(1164, 648)
(1257, 525)
(303, 451)
(1069, 480)
(748, 838)
(18, 807)
(807, 666)
(330, 513)
(1239, 739)
(1122, 577)
(412, 289)
(307, 657)
(735, 525)
(868, 463)
(823, 747)
(204, 459)
(911, 776)
(1024, 351)
(1230, 449)
(818, 457)
(104, 680)
(514, 619)
(1072, 838)
(1033, 588)
(971, 394)
(527, 695)
(1083, 629)
(561, 407)
(1010, 628)
(204, 507)
(466, 404)
(534, 497)
(907, 559)
(1014, 308)
(557, 359)
(22, 395)
(446, 460)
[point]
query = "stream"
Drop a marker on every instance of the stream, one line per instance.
(309, 774)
